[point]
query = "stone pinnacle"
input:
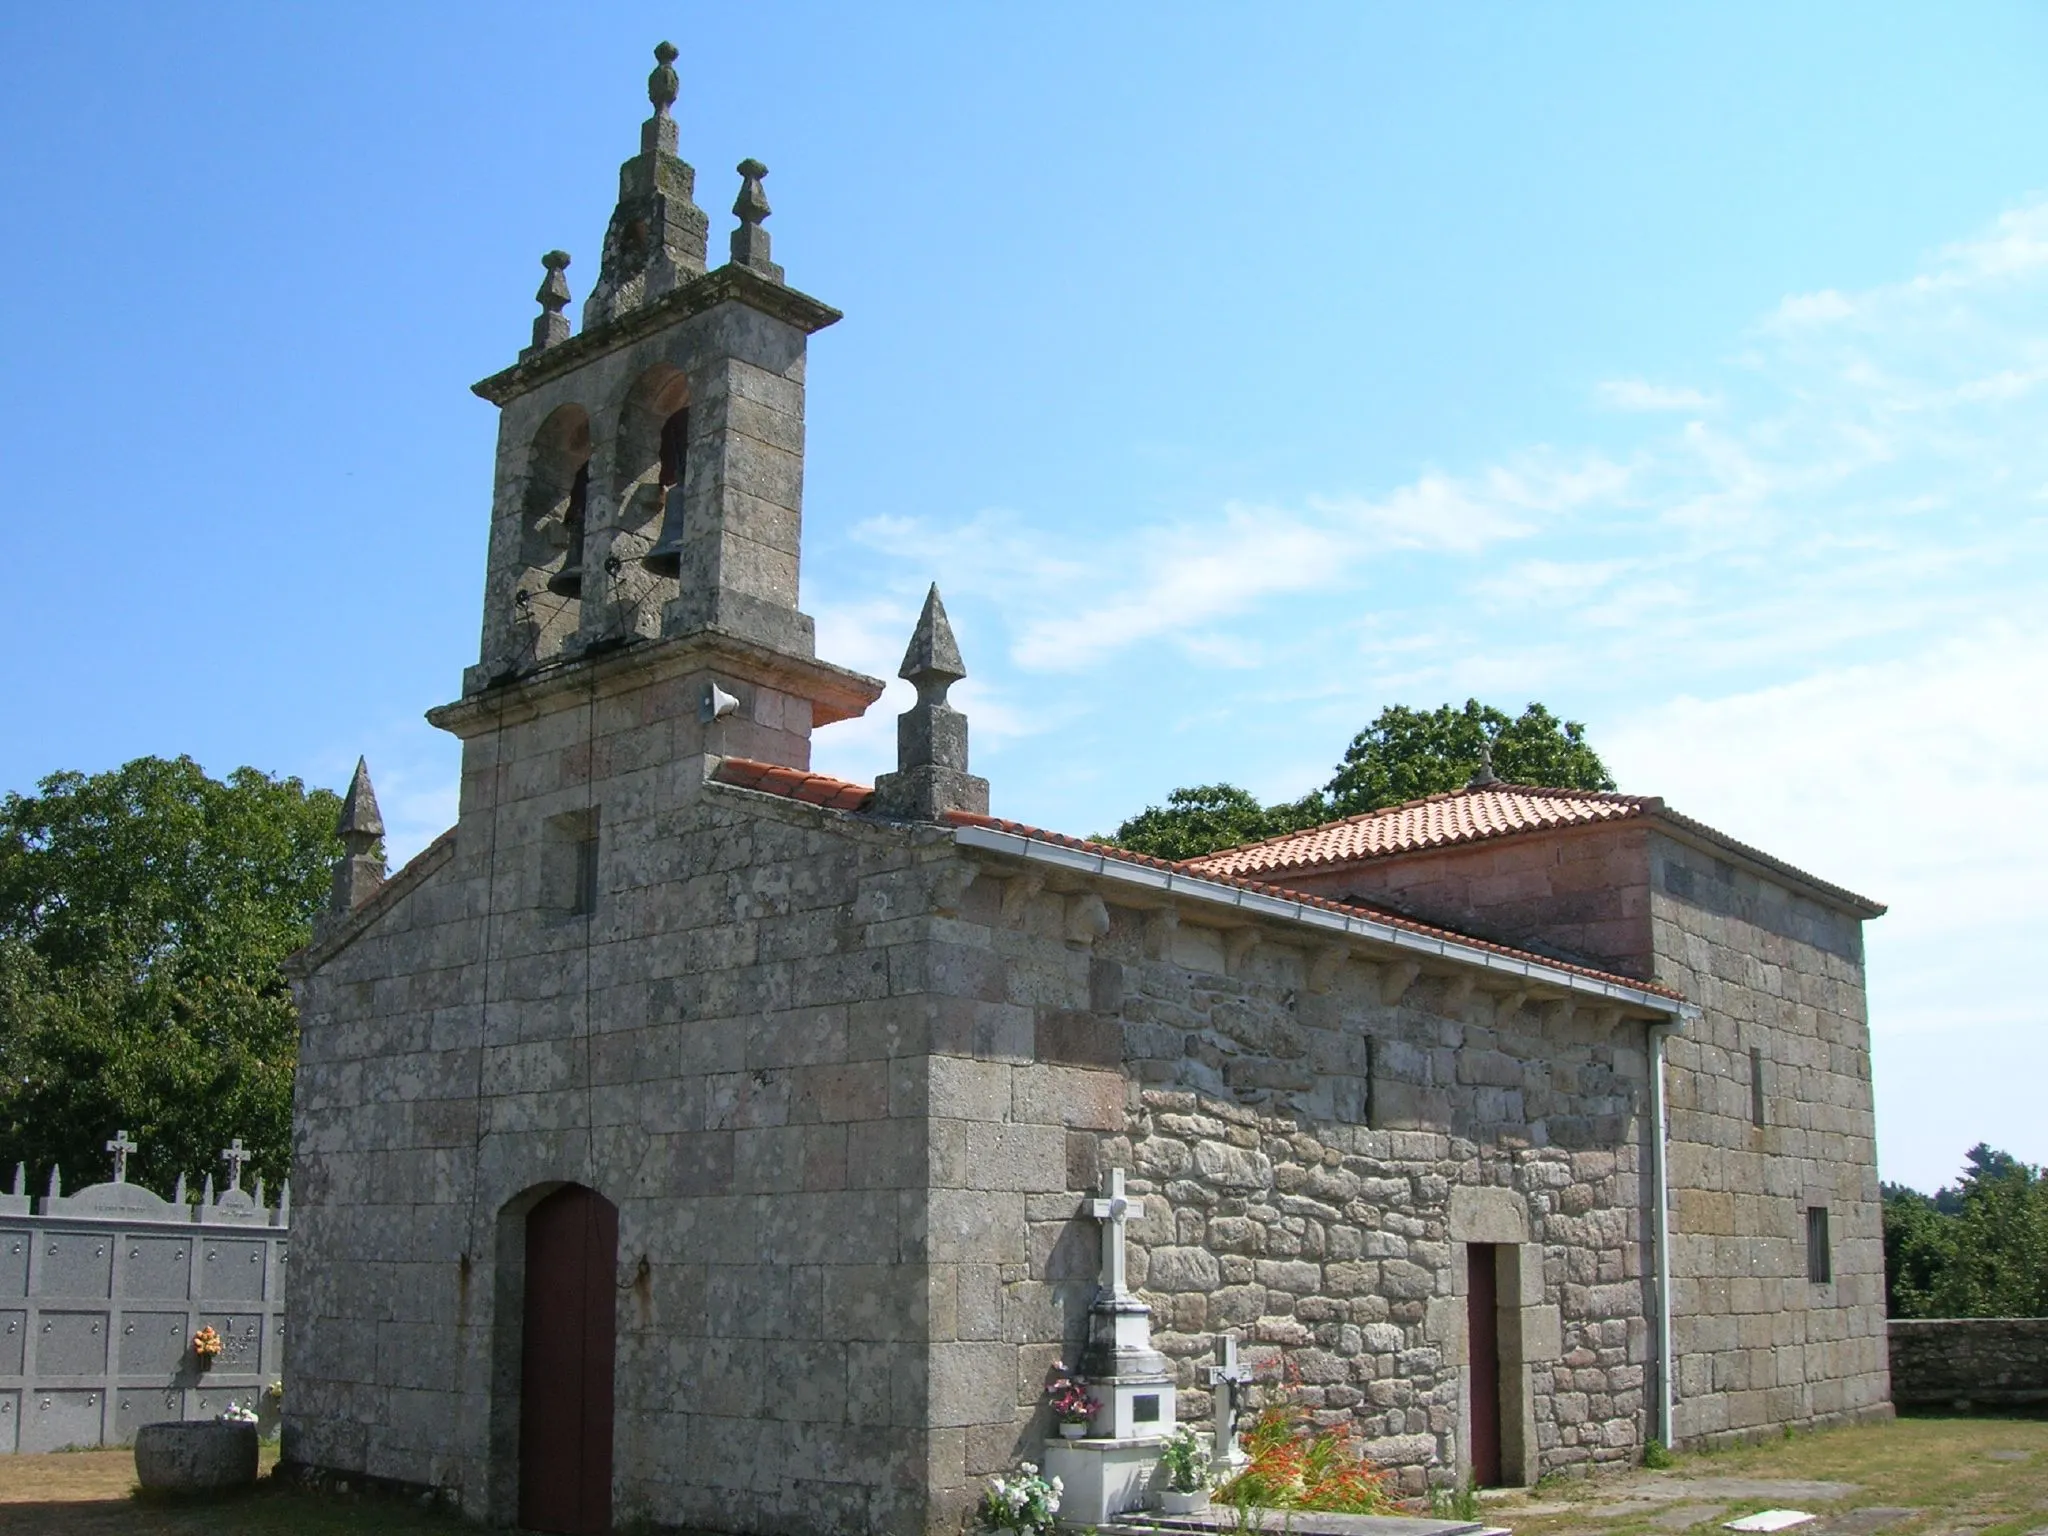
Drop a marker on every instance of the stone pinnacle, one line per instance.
(360, 818)
(933, 659)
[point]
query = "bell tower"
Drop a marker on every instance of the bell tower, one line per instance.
(648, 507)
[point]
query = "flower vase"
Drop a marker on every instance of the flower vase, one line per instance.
(1073, 1429)
(1174, 1502)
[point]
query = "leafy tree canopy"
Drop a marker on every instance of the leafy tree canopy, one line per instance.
(1979, 1249)
(1404, 754)
(143, 914)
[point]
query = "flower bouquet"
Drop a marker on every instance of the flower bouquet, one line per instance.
(1071, 1404)
(1185, 1466)
(1020, 1504)
(206, 1347)
(236, 1413)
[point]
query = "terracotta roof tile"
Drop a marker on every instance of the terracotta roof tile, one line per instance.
(1283, 893)
(840, 794)
(1440, 821)
(793, 783)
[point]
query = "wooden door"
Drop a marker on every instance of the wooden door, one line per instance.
(565, 1388)
(1482, 1336)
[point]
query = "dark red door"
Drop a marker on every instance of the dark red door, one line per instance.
(565, 1388)
(1482, 1335)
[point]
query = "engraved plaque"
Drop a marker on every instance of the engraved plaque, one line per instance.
(241, 1341)
(231, 1271)
(51, 1421)
(1145, 1408)
(72, 1344)
(156, 1266)
(152, 1343)
(13, 1262)
(74, 1264)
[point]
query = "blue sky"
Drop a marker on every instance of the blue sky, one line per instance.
(1679, 367)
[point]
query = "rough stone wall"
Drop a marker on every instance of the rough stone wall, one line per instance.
(1232, 1079)
(1580, 893)
(730, 1049)
(1969, 1362)
(1758, 1344)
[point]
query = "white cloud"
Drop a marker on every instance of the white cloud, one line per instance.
(1641, 395)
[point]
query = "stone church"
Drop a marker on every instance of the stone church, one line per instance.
(688, 1137)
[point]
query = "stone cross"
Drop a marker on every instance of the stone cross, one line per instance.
(234, 1156)
(1113, 1210)
(121, 1146)
(1225, 1379)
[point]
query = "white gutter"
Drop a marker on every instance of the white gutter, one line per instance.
(1166, 882)
(1660, 1134)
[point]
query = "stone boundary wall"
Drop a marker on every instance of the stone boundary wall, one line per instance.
(1980, 1362)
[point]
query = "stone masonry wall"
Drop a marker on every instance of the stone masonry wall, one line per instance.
(1581, 894)
(1780, 975)
(1312, 1141)
(730, 1049)
(1969, 1362)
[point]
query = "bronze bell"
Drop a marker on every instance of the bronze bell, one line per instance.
(666, 558)
(568, 581)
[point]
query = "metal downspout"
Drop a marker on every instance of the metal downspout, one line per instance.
(1660, 1137)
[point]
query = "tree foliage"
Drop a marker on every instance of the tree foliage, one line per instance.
(143, 916)
(1404, 754)
(1979, 1249)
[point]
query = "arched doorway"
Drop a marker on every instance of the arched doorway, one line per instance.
(566, 1350)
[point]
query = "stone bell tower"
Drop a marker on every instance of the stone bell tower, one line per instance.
(648, 506)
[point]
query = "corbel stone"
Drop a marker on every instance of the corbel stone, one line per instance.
(1396, 977)
(1608, 1018)
(1161, 923)
(1087, 918)
(1019, 891)
(1553, 1011)
(1508, 1006)
(1324, 965)
(949, 886)
(1458, 993)
(1238, 944)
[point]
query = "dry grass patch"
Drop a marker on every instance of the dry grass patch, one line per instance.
(1980, 1475)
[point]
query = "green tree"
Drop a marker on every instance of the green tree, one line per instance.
(1210, 816)
(1404, 754)
(1977, 1250)
(143, 916)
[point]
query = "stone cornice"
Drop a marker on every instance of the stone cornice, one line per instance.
(836, 693)
(737, 284)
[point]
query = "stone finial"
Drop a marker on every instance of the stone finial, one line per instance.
(657, 234)
(750, 241)
(550, 326)
(1483, 776)
(662, 84)
(360, 870)
(20, 1179)
(931, 775)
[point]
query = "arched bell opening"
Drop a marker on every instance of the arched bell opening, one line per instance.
(558, 499)
(654, 445)
(554, 1356)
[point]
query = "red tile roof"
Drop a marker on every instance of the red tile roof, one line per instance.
(1283, 893)
(840, 794)
(793, 783)
(1440, 821)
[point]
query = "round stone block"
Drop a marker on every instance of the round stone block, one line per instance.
(195, 1457)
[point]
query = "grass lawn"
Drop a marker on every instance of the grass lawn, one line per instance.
(1935, 1475)
(91, 1493)
(1915, 1477)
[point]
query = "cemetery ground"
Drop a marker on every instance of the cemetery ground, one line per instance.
(1933, 1476)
